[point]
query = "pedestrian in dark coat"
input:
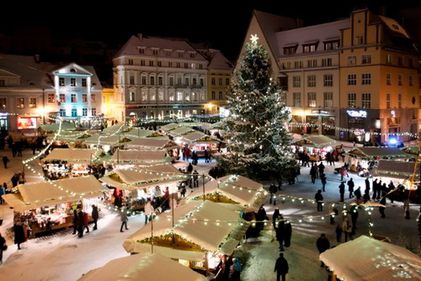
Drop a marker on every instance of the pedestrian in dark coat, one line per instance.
(288, 233)
(124, 219)
(95, 216)
(351, 187)
(275, 217)
(3, 247)
(75, 221)
(5, 161)
(86, 221)
(381, 209)
(323, 179)
(280, 233)
(19, 234)
(338, 231)
(342, 191)
(357, 193)
(367, 186)
(319, 199)
(281, 268)
(322, 244)
(80, 225)
(354, 217)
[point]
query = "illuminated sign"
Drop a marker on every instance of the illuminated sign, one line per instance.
(357, 113)
(27, 123)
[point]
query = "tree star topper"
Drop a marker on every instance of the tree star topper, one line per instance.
(254, 38)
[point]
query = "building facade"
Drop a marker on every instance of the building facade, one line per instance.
(160, 78)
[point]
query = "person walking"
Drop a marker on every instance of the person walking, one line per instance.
(280, 232)
(124, 219)
(149, 210)
(357, 193)
(323, 179)
(95, 216)
(354, 217)
(281, 268)
(381, 209)
(19, 234)
(319, 199)
(342, 191)
(5, 161)
(322, 244)
(86, 222)
(346, 228)
(351, 187)
(406, 209)
(3, 247)
(338, 232)
(75, 221)
(288, 233)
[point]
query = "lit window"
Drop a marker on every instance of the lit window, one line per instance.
(73, 98)
(62, 98)
(20, 103)
(61, 82)
(84, 112)
(93, 111)
(311, 99)
(32, 102)
(73, 82)
(84, 98)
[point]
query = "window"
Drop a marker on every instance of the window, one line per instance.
(186, 65)
(171, 97)
(73, 98)
(410, 81)
(180, 54)
(178, 81)
(159, 63)
(366, 79)
(141, 51)
(171, 81)
(160, 80)
(312, 63)
(213, 95)
(201, 82)
(410, 63)
(93, 111)
(93, 98)
(328, 80)
(152, 80)
(143, 80)
(73, 82)
(131, 80)
(155, 52)
(388, 59)
(227, 81)
(130, 63)
(62, 98)
(213, 81)
(352, 100)
(194, 81)
(327, 99)
(290, 50)
(311, 81)
(220, 81)
(83, 82)
(131, 97)
(298, 64)
(32, 102)
(142, 62)
(51, 98)
(144, 95)
(187, 97)
(296, 81)
(359, 40)
(74, 112)
(169, 64)
(331, 45)
(84, 112)
(366, 100)
(400, 61)
(20, 102)
(61, 82)
(352, 60)
(179, 96)
(84, 98)
(388, 79)
(387, 101)
(399, 80)
(366, 59)
(352, 79)
(161, 96)
(151, 63)
(221, 96)
(327, 62)
(2, 83)
(400, 101)
(3, 103)
(152, 97)
(186, 81)
(200, 66)
(177, 65)
(311, 99)
(296, 99)
(62, 112)
(309, 48)
(194, 96)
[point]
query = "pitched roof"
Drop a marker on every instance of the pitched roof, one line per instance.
(219, 61)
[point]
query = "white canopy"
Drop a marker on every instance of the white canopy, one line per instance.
(180, 131)
(197, 136)
(151, 144)
(140, 156)
(169, 127)
(139, 133)
(35, 195)
(369, 259)
(114, 140)
(71, 155)
(145, 266)
(115, 129)
(206, 224)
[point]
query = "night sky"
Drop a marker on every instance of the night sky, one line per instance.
(222, 24)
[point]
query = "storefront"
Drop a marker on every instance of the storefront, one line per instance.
(362, 125)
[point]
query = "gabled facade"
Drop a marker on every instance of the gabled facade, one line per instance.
(77, 93)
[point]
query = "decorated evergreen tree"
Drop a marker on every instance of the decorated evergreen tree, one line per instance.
(257, 138)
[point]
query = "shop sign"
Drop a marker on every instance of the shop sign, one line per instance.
(357, 113)
(27, 123)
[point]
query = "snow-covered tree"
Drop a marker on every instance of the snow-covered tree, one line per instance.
(257, 137)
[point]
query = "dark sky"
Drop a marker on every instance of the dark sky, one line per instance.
(222, 23)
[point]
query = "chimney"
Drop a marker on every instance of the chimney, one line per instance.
(37, 58)
(140, 35)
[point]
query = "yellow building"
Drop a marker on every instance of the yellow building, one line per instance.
(379, 91)
(111, 107)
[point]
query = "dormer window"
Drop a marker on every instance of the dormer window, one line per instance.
(290, 50)
(141, 51)
(155, 52)
(331, 45)
(180, 54)
(309, 48)
(72, 70)
(192, 55)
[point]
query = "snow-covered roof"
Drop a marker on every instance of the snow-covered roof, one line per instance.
(35, 195)
(151, 143)
(65, 126)
(394, 26)
(206, 224)
(318, 141)
(169, 127)
(115, 129)
(139, 133)
(141, 156)
(182, 130)
(71, 155)
(310, 34)
(372, 152)
(369, 259)
(84, 70)
(113, 140)
(218, 61)
(143, 266)
(394, 169)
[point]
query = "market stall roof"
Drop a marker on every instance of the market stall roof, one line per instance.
(318, 141)
(373, 152)
(141, 156)
(151, 143)
(182, 130)
(71, 155)
(65, 126)
(414, 150)
(218, 125)
(72, 136)
(135, 132)
(143, 266)
(197, 136)
(35, 195)
(115, 129)
(394, 169)
(169, 127)
(114, 140)
(242, 190)
(372, 260)
(206, 224)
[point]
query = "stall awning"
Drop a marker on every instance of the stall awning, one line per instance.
(197, 136)
(71, 155)
(115, 140)
(377, 152)
(115, 129)
(141, 156)
(139, 133)
(394, 169)
(180, 131)
(169, 127)
(318, 141)
(151, 143)
(372, 260)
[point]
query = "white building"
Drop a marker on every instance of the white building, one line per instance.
(160, 78)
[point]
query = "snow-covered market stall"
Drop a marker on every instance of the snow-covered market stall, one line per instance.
(133, 186)
(140, 157)
(369, 259)
(399, 172)
(155, 143)
(64, 162)
(54, 202)
(107, 143)
(137, 267)
(202, 234)
(198, 142)
(316, 146)
(234, 189)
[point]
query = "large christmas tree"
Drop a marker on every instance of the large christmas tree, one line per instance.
(257, 138)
